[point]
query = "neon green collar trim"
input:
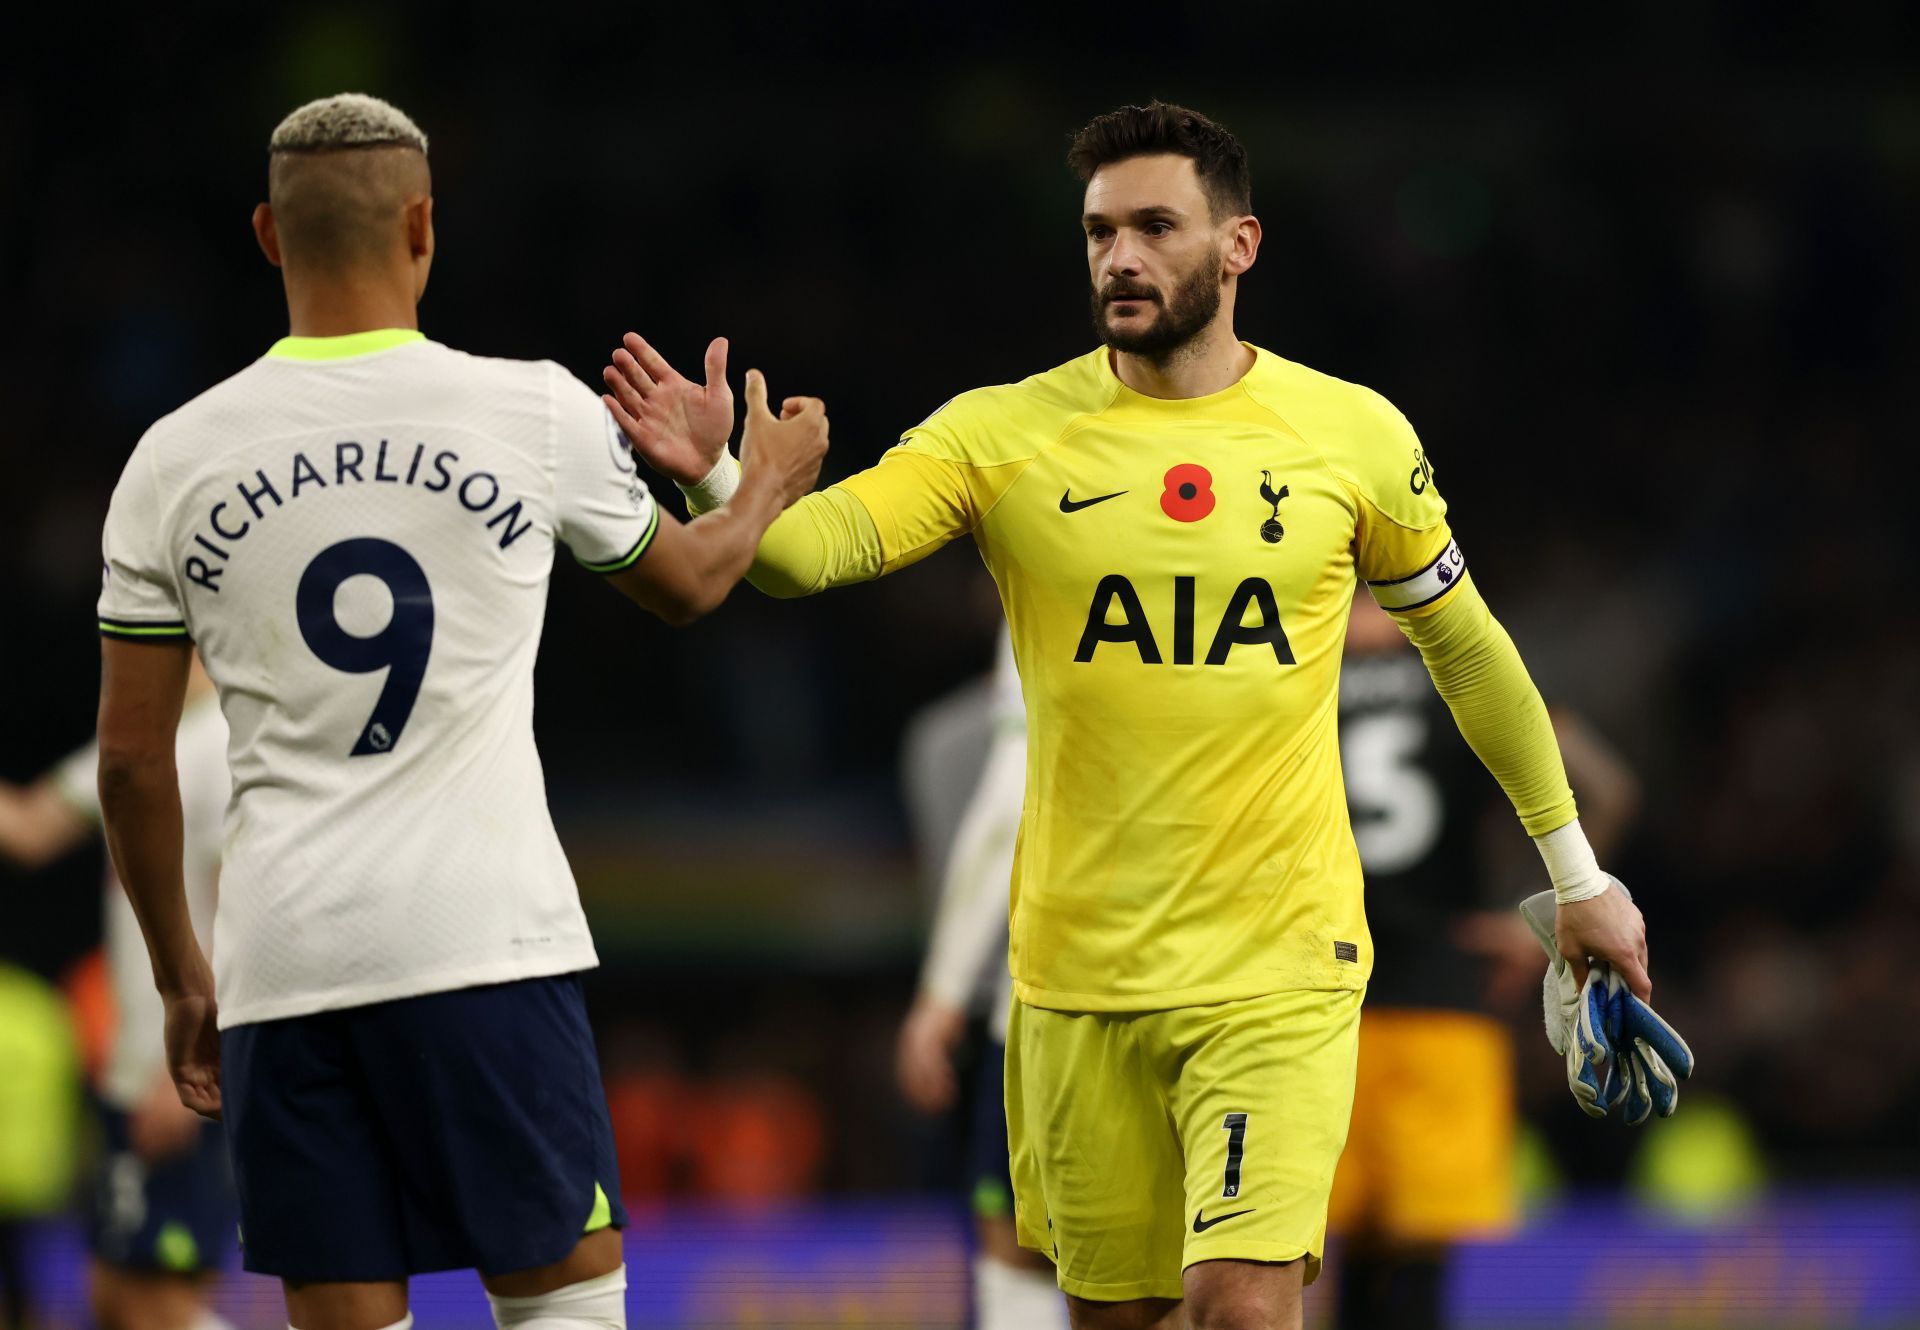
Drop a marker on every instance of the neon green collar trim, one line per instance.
(339, 348)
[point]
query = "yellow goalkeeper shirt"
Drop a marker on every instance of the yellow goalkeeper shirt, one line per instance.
(1177, 576)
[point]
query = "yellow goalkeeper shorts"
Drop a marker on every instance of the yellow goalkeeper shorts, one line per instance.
(1145, 1142)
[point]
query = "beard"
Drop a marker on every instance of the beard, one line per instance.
(1182, 317)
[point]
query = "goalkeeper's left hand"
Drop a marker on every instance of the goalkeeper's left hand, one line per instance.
(1619, 1052)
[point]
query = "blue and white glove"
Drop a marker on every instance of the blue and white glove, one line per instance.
(1619, 1052)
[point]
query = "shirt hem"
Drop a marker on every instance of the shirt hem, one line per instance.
(1225, 1248)
(1202, 995)
(1172, 1286)
(500, 972)
(119, 1098)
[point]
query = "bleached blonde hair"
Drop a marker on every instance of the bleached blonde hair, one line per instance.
(346, 120)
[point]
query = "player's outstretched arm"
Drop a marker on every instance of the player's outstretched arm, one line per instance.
(38, 824)
(142, 688)
(1479, 673)
(689, 568)
(828, 539)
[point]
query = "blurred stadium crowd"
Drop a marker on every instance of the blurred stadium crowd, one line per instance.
(1647, 296)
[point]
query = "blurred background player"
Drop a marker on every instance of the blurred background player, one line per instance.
(39, 1099)
(965, 971)
(358, 531)
(1429, 1156)
(161, 1213)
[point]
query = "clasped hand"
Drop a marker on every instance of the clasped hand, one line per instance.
(1619, 1052)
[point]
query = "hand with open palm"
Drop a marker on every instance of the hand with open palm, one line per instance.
(680, 427)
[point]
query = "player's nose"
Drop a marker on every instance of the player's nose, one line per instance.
(1123, 260)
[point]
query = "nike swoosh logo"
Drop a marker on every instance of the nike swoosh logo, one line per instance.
(1068, 504)
(1202, 1224)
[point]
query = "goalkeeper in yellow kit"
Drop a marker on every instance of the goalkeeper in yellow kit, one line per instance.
(1175, 521)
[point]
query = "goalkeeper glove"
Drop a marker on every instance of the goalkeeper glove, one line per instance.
(1618, 1050)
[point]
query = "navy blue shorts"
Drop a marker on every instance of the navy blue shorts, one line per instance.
(171, 1216)
(459, 1130)
(989, 1170)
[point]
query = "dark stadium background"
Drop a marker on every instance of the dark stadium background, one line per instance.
(1642, 277)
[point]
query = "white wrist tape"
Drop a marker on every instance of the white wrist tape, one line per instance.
(1570, 864)
(716, 487)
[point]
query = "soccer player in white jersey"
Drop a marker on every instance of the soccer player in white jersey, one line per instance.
(357, 530)
(161, 1215)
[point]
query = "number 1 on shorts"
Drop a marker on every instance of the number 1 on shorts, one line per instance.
(1236, 1129)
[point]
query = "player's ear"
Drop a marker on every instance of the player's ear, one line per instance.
(420, 241)
(1243, 245)
(265, 233)
(420, 227)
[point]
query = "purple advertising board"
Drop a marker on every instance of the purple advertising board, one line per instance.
(1830, 1260)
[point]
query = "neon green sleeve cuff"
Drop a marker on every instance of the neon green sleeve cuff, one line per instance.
(632, 556)
(144, 631)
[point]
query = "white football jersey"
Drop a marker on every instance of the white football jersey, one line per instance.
(137, 1054)
(357, 533)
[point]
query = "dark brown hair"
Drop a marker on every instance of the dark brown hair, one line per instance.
(1138, 131)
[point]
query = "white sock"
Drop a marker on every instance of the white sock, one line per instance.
(209, 1319)
(1013, 1297)
(591, 1304)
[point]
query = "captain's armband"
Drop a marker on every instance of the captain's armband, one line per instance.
(1403, 594)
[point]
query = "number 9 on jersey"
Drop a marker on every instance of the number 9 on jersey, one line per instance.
(401, 648)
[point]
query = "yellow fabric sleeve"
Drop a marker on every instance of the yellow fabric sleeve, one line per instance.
(1385, 549)
(827, 539)
(893, 514)
(917, 501)
(1479, 673)
(920, 496)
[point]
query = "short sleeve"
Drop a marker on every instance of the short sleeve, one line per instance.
(1403, 547)
(139, 599)
(603, 510)
(77, 781)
